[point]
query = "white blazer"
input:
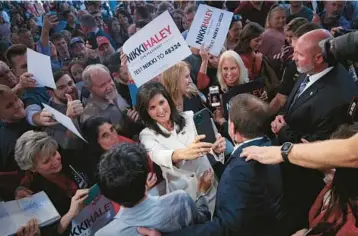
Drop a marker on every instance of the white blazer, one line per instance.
(184, 175)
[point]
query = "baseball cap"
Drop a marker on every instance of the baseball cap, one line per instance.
(102, 40)
(76, 40)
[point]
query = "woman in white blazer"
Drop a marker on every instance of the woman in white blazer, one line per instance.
(172, 142)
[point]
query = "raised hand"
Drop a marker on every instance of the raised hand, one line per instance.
(74, 107)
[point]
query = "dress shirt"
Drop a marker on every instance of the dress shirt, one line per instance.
(315, 77)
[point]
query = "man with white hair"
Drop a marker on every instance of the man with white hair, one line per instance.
(104, 99)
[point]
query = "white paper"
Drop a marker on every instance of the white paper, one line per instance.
(314, 6)
(15, 214)
(64, 120)
(39, 65)
(154, 49)
(209, 28)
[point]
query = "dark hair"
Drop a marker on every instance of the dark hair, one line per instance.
(250, 31)
(295, 23)
(88, 21)
(344, 191)
(143, 11)
(114, 62)
(76, 62)
(57, 74)
(126, 14)
(345, 131)
(90, 130)
(249, 114)
(305, 29)
(13, 51)
(141, 23)
(145, 94)
(122, 174)
(65, 14)
(235, 18)
(57, 36)
(22, 31)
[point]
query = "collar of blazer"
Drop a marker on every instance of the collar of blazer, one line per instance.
(307, 94)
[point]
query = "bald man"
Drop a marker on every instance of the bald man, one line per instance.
(317, 105)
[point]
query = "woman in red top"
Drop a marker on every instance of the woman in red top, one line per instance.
(102, 136)
(249, 42)
(335, 211)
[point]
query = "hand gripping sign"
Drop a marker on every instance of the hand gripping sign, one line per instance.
(209, 28)
(154, 49)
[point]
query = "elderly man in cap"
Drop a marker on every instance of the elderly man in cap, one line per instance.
(105, 49)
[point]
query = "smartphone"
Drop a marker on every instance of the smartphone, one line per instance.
(204, 125)
(91, 38)
(93, 193)
(214, 96)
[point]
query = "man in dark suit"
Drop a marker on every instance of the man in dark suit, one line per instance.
(317, 105)
(88, 24)
(249, 195)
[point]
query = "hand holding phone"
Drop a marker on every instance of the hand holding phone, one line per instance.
(93, 193)
(92, 40)
(214, 96)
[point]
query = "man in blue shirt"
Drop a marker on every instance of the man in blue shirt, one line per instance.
(331, 16)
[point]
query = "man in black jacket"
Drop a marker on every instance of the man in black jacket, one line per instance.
(249, 198)
(316, 106)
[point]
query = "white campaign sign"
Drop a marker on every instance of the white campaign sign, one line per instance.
(209, 28)
(154, 49)
(93, 217)
(64, 120)
(40, 66)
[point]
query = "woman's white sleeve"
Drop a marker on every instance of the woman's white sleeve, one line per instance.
(159, 154)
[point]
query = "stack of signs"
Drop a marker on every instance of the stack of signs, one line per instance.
(209, 29)
(154, 49)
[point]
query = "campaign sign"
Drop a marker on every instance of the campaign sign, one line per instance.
(209, 28)
(154, 49)
(93, 217)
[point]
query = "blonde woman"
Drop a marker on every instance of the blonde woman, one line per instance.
(182, 90)
(273, 39)
(231, 71)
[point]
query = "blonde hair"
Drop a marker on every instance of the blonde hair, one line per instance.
(275, 7)
(244, 75)
(171, 81)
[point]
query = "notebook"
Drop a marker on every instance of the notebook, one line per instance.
(15, 214)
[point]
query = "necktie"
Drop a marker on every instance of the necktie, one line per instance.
(300, 89)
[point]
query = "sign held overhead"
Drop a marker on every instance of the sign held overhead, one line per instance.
(154, 49)
(209, 29)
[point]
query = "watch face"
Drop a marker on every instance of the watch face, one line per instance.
(286, 147)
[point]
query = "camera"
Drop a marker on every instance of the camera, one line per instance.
(342, 48)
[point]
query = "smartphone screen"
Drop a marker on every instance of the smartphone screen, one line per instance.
(93, 193)
(91, 38)
(214, 96)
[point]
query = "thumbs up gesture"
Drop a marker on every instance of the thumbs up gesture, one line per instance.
(74, 107)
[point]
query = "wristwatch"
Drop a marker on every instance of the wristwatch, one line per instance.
(285, 150)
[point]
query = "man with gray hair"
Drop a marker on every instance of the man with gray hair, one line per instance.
(88, 25)
(189, 13)
(104, 99)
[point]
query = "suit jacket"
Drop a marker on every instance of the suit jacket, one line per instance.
(316, 113)
(185, 174)
(320, 109)
(248, 200)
